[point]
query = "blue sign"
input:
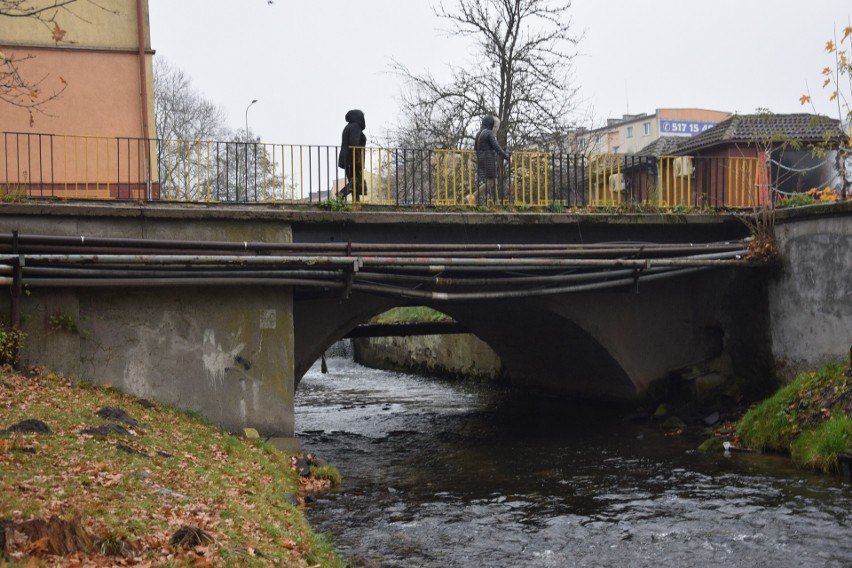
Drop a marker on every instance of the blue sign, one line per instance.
(684, 127)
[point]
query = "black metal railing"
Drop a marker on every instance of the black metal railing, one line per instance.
(88, 167)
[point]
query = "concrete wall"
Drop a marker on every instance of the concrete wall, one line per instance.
(810, 302)
(226, 352)
(455, 355)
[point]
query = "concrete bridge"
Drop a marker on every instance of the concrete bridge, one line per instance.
(234, 341)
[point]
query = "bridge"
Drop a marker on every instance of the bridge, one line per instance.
(220, 302)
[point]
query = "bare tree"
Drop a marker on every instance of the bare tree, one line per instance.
(180, 111)
(186, 126)
(16, 88)
(520, 70)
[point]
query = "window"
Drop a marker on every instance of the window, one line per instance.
(630, 132)
(647, 128)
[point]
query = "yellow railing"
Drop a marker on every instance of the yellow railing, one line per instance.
(606, 180)
(457, 179)
(530, 174)
(92, 167)
(675, 175)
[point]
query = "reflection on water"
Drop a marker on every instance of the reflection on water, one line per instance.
(439, 474)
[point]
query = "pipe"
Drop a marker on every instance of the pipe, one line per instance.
(431, 262)
(161, 282)
(359, 247)
(130, 273)
(143, 84)
(510, 294)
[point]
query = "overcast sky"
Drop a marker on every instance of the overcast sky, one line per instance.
(308, 62)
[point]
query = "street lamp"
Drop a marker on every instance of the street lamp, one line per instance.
(247, 109)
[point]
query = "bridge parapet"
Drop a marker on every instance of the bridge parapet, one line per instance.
(81, 167)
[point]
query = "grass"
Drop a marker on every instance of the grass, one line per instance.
(819, 448)
(410, 314)
(173, 470)
(810, 418)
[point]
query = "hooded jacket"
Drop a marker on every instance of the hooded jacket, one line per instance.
(353, 135)
(487, 148)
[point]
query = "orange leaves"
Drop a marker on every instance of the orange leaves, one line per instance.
(105, 479)
(58, 33)
(805, 99)
(210, 480)
(825, 195)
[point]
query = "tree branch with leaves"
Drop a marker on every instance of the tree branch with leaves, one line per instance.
(838, 81)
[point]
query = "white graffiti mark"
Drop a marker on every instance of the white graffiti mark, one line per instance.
(216, 360)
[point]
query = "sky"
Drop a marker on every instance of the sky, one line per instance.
(308, 62)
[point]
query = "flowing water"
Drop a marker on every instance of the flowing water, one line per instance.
(447, 474)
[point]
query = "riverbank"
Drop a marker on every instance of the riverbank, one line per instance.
(809, 419)
(98, 478)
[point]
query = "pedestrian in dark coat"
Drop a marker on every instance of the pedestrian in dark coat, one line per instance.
(351, 157)
(487, 149)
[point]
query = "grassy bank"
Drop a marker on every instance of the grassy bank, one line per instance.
(144, 485)
(810, 419)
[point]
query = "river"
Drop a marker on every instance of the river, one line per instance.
(448, 474)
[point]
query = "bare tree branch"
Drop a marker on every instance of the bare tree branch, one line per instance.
(523, 52)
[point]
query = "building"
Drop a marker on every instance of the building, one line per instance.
(784, 147)
(633, 132)
(96, 58)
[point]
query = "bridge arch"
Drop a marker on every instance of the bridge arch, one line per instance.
(538, 347)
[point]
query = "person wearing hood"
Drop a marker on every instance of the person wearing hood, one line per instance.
(351, 157)
(487, 149)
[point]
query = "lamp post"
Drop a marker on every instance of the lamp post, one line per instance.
(247, 109)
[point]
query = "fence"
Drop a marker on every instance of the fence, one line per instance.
(85, 167)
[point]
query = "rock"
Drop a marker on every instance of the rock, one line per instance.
(319, 462)
(303, 466)
(32, 425)
(673, 423)
(145, 403)
(132, 451)
(251, 434)
(190, 537)
(116, 415)
(714, 445)
(105, 430)
(712, 419)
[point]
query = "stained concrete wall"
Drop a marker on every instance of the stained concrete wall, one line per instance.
(455, 355)
(810, 302)
(226, 352)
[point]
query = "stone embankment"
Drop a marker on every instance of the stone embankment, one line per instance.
(456, 356)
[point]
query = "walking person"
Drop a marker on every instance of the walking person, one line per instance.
(487, 149)
(351, 157)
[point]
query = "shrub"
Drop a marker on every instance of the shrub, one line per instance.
(11, 343)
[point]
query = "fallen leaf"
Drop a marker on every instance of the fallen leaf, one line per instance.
(58, 33)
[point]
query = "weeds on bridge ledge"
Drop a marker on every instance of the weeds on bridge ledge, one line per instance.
(334, 204)
(12, 193)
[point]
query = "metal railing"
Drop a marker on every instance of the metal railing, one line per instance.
(89, 167)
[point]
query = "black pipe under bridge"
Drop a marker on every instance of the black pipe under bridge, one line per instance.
(426, 272)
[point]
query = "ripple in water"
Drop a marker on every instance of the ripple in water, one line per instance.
(443, 474)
